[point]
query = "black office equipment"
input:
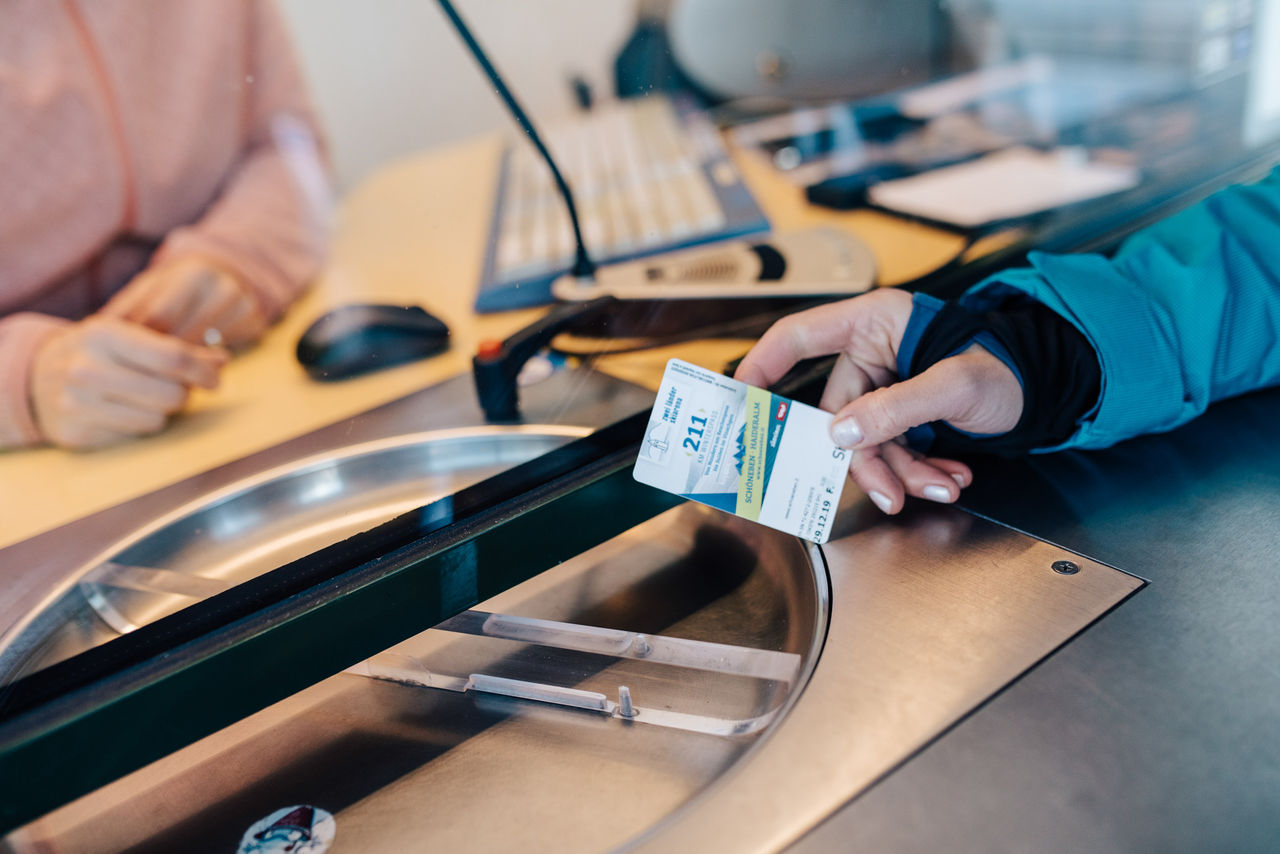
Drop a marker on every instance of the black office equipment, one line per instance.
(846, 192)
(356, 339)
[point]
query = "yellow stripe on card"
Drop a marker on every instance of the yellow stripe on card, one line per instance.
(754, 442)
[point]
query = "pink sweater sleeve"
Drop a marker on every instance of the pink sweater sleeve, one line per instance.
(20, 337)
(270, 223)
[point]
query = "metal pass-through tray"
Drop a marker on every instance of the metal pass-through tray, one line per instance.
(929, 616)
(695, 683)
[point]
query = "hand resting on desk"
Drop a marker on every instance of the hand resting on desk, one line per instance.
(192, 300)
(103, 380)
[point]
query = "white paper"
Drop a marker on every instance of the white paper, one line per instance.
(1004, 185)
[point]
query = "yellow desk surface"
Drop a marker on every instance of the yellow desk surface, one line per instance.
(414, 232)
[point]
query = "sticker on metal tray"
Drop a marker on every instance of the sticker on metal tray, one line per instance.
(744, 450)
(291, 830)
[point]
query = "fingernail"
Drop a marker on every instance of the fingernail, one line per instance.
(933, 492)
(881, 500)
(846, 433)
(959, 479)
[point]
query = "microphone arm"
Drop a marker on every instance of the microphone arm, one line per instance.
(583, 266)
(498, 364)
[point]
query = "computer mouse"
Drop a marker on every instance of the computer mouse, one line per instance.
(356, 339)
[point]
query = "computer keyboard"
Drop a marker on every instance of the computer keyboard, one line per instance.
(648, 175)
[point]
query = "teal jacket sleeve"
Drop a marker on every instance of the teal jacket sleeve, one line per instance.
(1187, 312)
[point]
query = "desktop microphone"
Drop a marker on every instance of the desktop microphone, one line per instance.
(821, 262)
(497, 364)
(814, 262)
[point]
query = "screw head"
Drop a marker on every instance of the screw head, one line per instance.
(1065, 567)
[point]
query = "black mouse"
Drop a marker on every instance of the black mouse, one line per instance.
(356, 339)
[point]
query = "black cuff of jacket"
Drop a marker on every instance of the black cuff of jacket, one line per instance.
(1055, 363)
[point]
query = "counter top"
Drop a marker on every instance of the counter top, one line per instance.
(413, 232)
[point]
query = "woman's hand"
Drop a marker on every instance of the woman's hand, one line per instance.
(103, 380)
(191, 299)
(972, 391)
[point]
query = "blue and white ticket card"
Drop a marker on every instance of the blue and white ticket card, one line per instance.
(744, 450)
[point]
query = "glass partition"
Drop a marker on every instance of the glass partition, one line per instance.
(312, 276)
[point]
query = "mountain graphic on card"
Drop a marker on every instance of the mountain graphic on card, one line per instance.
(743, 450)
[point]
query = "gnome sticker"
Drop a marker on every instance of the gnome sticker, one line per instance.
(292, 830)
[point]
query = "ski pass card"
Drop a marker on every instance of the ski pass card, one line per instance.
(743, 449)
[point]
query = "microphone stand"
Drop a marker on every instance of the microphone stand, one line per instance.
(497, 365)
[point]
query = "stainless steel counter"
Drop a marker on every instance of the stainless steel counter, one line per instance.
(1157, 729)
(891, 633)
